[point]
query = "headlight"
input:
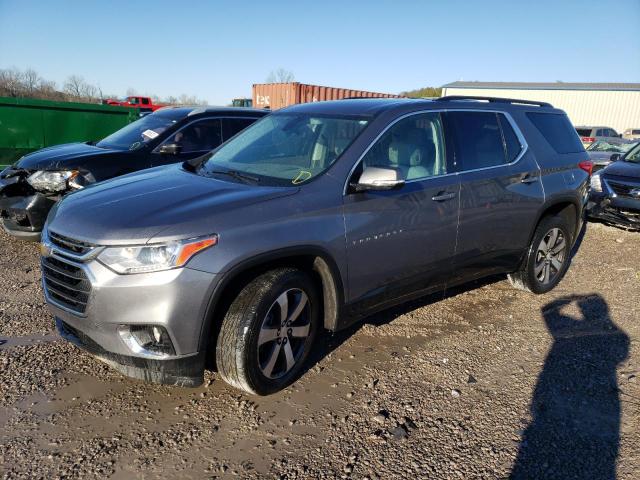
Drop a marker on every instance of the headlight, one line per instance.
(596, 183)
(52, 181)
(153, 258)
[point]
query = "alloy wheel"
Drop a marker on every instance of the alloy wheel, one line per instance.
(283, 333)
(550, 256)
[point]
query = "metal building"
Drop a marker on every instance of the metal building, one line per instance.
(615, 105)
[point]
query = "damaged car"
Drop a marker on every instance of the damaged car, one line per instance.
(30, 187)
(601, 152)
(615, 191)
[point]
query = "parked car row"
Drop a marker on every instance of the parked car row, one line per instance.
(589, 135)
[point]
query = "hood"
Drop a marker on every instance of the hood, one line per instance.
(623, 169)
(134, 208)
(60, 156)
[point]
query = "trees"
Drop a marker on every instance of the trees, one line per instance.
(423, 92)
(280, 76)
(29, 84)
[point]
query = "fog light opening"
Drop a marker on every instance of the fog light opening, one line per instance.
(147, 340)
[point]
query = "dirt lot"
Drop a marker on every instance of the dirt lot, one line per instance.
(488, 382)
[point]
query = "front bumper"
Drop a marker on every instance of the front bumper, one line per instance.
(23, 214)
(179, 371)
(176, 300)
(613, 211)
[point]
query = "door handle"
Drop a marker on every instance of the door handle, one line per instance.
(441, 197)
(529, 179)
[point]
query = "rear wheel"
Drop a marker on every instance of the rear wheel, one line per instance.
(268, 332)
(547, 259)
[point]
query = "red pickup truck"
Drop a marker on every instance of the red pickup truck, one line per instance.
(143, 103)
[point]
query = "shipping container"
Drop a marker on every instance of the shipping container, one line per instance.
(27, 125)
(280, 95)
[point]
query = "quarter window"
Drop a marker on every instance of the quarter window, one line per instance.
(478, 140)
(512, 145)
(414, 146)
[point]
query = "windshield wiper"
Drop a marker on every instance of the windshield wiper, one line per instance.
(235, 174)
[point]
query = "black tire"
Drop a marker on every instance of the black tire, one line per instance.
(240, 358)
(529, 277)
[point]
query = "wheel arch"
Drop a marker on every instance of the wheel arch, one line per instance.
(567, 206)
(311, 259)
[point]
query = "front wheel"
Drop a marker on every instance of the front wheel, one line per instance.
(268, 331)
(547, 258)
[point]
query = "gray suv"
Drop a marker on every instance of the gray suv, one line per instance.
(314, 217)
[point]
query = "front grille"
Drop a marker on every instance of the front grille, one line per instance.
(74, 246)
(622, 189)
(66, 284)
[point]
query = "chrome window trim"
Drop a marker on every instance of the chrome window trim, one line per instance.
(523, 143)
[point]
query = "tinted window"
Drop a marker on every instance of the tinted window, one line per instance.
(478, 140)
(584, 132)
(600, 133)
(511, 142)
(231, 126)
(202, 135)
(145, 101)
(415, 146)
(557, 130)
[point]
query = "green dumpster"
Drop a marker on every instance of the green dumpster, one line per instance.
(27, 125)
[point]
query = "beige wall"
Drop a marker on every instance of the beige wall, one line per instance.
(617, 109)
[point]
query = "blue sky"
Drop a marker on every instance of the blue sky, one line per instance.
(217, 49)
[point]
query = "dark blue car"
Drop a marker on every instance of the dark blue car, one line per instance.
(615, 191)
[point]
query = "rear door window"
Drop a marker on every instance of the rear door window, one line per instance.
(478, 140)
(557, 130)
(231, 126)
(200, 136)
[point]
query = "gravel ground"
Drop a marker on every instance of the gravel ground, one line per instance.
(488, 382)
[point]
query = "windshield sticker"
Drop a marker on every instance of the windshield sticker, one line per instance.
(303, 176)
(150, 134)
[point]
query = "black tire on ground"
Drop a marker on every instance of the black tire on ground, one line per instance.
(254, 331)
(530, 277)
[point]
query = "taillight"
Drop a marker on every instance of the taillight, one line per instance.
(588, 139)
(587, 166)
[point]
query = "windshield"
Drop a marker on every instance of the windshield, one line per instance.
(286, 149)
(605, 146)
(633, 155)
(138, 133)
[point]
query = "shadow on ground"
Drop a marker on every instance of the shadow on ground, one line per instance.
(575, 409)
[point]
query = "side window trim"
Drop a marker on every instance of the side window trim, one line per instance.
(514, 126)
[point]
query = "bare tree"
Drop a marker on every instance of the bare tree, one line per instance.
(79, 89)
(280, 76)
(131, 92)
(31, 81)
(11, 82)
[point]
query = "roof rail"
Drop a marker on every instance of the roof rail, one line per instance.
(494, 100)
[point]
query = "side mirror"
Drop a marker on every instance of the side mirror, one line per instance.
(378, 178)
(170, 149)
(615, 157)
